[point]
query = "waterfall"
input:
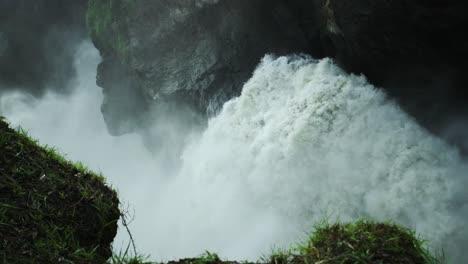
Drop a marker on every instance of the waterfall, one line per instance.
(303, 141)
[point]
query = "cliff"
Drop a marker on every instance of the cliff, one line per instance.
(195, 53)
(416, 50)
(201, 52)
(51, 210)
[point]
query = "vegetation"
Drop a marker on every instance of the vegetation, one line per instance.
(359, 242)
(125, 259)
(207, 258)
(362, 242)
(51, 210)
(107, 23)
(55, 211)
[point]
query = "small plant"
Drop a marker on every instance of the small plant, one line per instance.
(106, 21)
(279, 257)
(361, 242)
(207, 258)
(123, 258)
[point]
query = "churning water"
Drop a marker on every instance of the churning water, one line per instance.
(304, 140)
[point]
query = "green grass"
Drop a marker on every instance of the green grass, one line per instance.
(56, 211)
(107, 24)
(363, 241)
(360, 242)
(51, 210)
(207, 258)
(99, 16)
(123, 258)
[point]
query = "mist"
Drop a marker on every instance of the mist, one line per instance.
(304, 141)
(166, 223)
(37, 42)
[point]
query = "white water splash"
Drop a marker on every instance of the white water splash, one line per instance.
(303, 140)
(306, 138)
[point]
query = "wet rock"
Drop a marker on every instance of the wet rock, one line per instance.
(201, 52)
(194, 52)
(416, 50)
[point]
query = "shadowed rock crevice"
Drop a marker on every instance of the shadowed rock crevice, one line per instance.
(202, 52)
(414, 49)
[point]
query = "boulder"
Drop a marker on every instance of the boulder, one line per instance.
(200, 53)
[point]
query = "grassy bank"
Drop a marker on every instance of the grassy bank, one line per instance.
(361, 242)
(56, 211)
(51, 210)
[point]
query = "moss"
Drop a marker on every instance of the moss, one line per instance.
(99, 16)
(360, 242)
(107, 24)
(51, 210)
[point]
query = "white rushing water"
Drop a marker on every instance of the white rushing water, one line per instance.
(304, 140)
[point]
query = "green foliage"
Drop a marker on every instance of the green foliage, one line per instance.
(123, 258)
(99, 16)
(107, 24)
(363, 242)
(207, 258)
(51, 210)
(360, 242)
(126, 258)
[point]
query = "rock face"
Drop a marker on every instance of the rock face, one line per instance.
(415, 49)
(201, 52)
(37, 41)
(52, 211)
(198, 53)
(377, 36)
(3, 44)
(194, 52)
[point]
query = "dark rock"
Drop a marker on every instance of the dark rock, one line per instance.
(201, 52)
(415, 49)
(194, 52)
(122, 108)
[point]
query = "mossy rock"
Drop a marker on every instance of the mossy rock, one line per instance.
(360, 242)
(51, 210)
(107, 24)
